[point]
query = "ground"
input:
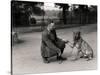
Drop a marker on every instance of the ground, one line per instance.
(26, 56)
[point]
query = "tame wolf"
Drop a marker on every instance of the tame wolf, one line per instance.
(83, 47)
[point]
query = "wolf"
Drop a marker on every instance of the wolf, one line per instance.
(83, 47)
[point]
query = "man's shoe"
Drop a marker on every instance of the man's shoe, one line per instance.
(45, 60)
(62, 58)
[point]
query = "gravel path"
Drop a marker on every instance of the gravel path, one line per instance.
(27, 59)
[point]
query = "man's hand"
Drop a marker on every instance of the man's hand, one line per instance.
(66, 41)
(72, 47)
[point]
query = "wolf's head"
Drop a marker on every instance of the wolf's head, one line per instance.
(76, 36)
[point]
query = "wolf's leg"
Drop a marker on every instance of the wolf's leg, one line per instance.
(89, 57)
(77, 56)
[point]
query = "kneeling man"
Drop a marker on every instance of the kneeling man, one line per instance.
(51, 45)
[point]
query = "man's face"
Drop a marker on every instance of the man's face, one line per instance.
(52, 26)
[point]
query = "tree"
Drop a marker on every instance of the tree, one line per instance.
(65, 8)
(93, 13)
(83, 12)
(21, 10)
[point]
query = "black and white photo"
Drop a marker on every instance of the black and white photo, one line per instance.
(48, 37)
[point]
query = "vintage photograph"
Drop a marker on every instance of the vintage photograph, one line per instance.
(49, 37)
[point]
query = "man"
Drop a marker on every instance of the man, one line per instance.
(51, 44)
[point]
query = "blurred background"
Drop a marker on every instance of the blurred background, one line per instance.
(37, 14)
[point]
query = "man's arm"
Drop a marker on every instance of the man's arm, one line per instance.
(49, 43)
(65, 41)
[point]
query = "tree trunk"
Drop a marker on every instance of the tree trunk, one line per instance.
(64, 15)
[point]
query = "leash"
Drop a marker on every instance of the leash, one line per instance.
(71, 45)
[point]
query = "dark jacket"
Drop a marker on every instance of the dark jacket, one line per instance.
(51, 45)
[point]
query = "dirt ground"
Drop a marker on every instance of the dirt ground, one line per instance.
(26, 56)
